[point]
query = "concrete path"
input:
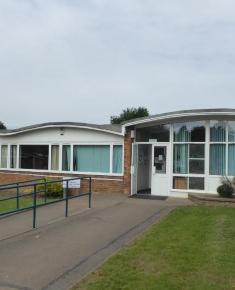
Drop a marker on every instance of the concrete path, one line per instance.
(59, 254)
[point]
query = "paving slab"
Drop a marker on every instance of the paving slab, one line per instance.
(59, 254)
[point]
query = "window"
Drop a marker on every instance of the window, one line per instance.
(159, 132)
(55, 154)
(117, 159)
(34, 157)
(4, 151)
(222, 148)
(66, 157)
(189, 132)
(189, 155)
(13, 156)
(92, 158)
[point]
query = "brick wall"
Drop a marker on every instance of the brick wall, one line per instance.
(104, 184)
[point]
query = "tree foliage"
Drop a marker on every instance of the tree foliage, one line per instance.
(2, 126)
(129, 114)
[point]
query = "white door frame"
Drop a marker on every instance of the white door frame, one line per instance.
(165, 175)
(132, 160)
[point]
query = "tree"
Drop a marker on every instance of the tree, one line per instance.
(129, 114)
(2, 126)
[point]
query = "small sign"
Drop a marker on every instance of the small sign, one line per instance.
(153, 140)
(76, 183)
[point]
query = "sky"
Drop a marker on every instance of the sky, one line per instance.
(85, 60)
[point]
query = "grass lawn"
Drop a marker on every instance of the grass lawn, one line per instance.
(24, 202)
(191, 249)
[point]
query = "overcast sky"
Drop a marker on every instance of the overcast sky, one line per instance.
(84, 60)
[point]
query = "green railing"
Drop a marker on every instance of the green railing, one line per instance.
(38, 195)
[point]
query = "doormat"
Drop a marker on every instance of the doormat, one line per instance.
(153, 197)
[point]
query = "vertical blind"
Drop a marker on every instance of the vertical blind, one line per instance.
(217, 159)
(13, 156)
(92, 158)
(4, 149)
(231, 159)
(55, 157)
(181, 158)
(66, 157)
(117, 159)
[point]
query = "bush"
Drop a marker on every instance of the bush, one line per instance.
(52, 190)
(226, 189)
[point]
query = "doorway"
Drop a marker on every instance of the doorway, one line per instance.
(141, 168)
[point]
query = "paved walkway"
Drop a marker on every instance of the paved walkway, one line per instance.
(57, 255)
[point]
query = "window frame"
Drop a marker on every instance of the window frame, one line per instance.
(49, 170)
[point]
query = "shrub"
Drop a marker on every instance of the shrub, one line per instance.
(226, 189)
(52, 190)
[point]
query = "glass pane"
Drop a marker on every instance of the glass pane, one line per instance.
(180, 182)
(196, 166)
(181, 158)
(4, 149)
(13, 154)
(160, 132)
(217, 131)
(217, 159)
(66, 157)
(160, 159)
(55, 157)
(92, 158)
(189, 132)
(196, 151)
(231, 131)
(34, 157)
(117, 159)
(196, 183)
(231, 160)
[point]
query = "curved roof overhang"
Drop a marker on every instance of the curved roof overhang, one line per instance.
(179, 115)
(98, 128)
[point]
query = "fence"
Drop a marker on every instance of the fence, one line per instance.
(39, 194)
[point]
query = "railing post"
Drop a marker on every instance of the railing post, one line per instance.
(17, 196)
(66, 198)
(90, 192)
(34, 205)
(45, 187)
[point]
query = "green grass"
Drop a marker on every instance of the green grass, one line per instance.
(191, 249)
(24, 202)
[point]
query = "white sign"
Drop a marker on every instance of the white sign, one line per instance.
(76, 183)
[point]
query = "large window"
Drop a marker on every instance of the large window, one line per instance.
(189, 155)
(34, 157)
(91, 158)
(222, 148)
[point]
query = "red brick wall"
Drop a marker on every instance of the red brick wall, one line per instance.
(104, 184)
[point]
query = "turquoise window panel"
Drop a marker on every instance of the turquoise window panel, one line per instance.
(92, 158)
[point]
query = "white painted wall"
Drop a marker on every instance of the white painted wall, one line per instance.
(53, 135)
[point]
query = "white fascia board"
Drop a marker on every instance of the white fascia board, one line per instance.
(59, 126)
(172, 116)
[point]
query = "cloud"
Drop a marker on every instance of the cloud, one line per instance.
(84, 60)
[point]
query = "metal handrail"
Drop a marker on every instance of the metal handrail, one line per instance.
(20, 182)
(35, 193)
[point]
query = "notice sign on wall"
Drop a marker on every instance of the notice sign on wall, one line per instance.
(76, 183)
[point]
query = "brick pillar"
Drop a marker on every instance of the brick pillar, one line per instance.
(127, 162)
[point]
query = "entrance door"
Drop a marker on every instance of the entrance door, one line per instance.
(160, 170)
